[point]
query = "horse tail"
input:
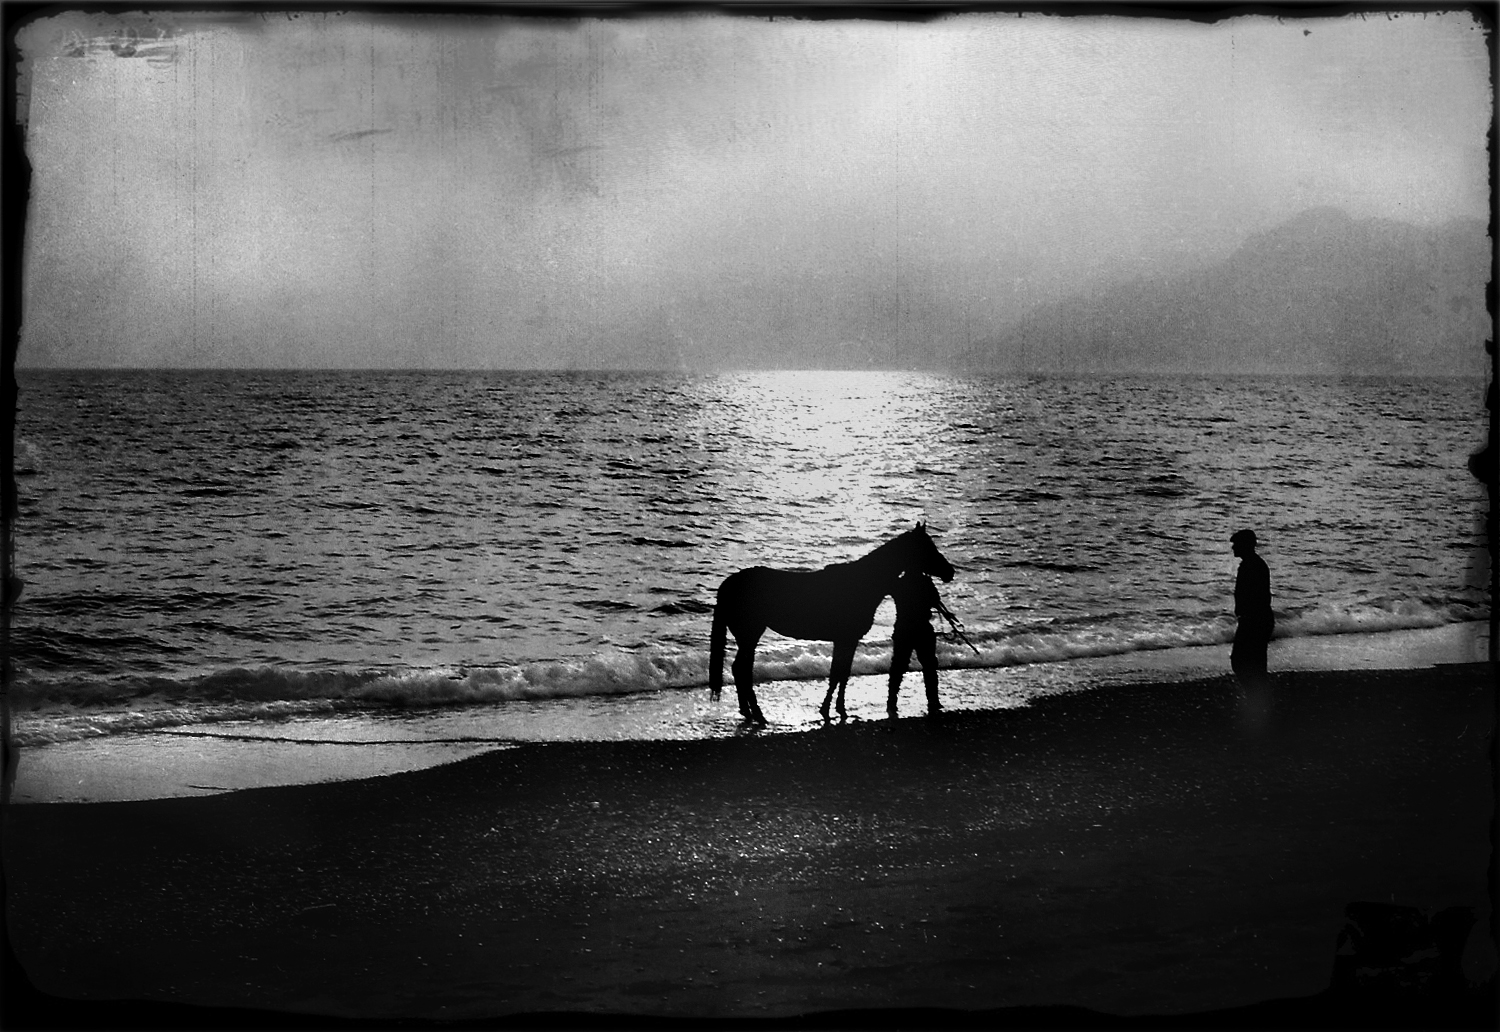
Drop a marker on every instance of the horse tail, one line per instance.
(716, 652)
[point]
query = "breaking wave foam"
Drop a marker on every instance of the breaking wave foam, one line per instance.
(69, 709)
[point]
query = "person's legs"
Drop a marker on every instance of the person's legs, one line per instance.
(1248, 655)
(1257, 659)
(901, 646)
(1248, 660)
(927, 654)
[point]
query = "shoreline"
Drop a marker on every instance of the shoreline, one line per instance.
(203, 759)
(1158, 849)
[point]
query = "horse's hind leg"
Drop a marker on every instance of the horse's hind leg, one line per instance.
(744, 677)
(844, 669)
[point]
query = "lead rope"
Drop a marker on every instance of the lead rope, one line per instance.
(958, 628)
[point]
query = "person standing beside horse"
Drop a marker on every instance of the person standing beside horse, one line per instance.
(916, 597)
(836, 603)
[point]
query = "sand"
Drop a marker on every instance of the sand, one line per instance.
(1154, 850)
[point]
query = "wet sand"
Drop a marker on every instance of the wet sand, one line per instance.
(1159, 850)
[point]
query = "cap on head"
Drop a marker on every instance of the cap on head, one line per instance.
(1245, 537)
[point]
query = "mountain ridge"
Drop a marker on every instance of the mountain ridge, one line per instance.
(1322, 292)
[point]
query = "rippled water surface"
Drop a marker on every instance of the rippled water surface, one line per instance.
(252, 539)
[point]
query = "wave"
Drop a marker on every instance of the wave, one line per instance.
(1030, 564)
(686, 605)
(188, 600)
(64, 708)
(606, 605)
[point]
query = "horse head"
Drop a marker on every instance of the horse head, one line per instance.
(923, 555)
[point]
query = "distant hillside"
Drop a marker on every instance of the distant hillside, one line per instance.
(1322, 293)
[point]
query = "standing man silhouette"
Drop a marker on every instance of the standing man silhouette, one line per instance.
(1252, 605)
(915, 597)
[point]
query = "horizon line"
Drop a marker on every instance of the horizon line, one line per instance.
(730, 371)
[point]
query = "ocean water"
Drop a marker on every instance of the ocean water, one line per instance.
(218, 553)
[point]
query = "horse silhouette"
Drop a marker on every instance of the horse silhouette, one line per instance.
(836, 603)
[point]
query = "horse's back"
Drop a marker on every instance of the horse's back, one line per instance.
(758, 585)
(819, 605)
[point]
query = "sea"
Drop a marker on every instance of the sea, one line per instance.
(252, 577)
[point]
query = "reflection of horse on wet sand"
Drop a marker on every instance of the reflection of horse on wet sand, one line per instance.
(836, 603)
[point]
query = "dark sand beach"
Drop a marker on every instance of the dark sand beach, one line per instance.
(1158, 851)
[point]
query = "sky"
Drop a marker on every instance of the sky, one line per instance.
(699, 191)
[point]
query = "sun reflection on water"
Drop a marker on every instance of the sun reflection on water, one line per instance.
(831, 453)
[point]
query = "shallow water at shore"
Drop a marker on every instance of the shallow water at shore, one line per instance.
(234, 755)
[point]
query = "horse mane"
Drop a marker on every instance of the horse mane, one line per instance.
(875, 555)
(880, 551)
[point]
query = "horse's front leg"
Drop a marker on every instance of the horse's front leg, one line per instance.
(744, 680)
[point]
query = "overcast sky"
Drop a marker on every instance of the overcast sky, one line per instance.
(354, 190)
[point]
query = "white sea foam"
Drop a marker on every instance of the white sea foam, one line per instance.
(317, 746)
(271, 694)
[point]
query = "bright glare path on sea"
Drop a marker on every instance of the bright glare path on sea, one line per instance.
(836, 448)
